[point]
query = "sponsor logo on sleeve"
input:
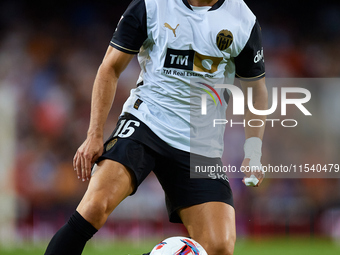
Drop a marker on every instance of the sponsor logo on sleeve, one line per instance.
(259, 56)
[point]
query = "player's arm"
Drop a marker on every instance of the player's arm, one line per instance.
(260, 102)
(129, 36)
(250, 69)
(254, 135)
(103, 93)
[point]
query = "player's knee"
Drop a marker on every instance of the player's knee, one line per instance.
(95, 211)
(220, 246)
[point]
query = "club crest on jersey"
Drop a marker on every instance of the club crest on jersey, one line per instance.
(224, 39)
(111, 144)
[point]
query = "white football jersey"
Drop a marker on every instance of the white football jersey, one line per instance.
(183, 53)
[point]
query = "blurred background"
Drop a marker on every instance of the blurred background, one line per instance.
(49, 55)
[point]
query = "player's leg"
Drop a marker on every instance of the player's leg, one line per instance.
(211, 224)
(109, 185)
(202, 203)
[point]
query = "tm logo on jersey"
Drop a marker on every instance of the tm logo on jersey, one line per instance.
(190, 60)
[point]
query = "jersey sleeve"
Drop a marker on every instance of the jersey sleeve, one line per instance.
(131, 30)
(249, 63)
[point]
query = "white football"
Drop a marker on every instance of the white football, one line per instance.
(178, 245)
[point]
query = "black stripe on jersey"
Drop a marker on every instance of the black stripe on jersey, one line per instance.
(214, 7)
(187, 4)
(250, 62)
(217, 5)
(131, 30)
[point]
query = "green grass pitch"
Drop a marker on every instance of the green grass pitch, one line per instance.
(277, 246)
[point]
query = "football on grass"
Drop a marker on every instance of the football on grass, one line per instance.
(178, 245)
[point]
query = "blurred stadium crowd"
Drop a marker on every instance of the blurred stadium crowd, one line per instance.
(49, 55)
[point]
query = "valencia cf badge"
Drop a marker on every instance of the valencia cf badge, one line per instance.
(224, 39)
(111, 144)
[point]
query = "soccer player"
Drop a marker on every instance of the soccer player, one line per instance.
(184, 47)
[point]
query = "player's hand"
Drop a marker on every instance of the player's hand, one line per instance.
(86, 155)
(251, 165)
(254, 171)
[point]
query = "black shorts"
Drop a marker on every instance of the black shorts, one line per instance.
(135, 146)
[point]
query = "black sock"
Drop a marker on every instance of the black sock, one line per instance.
(72, 237)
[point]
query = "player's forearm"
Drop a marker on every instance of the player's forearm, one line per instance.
(104, 88)
(103, 93)
(260, 102)
(253, 144)
(255, 131)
